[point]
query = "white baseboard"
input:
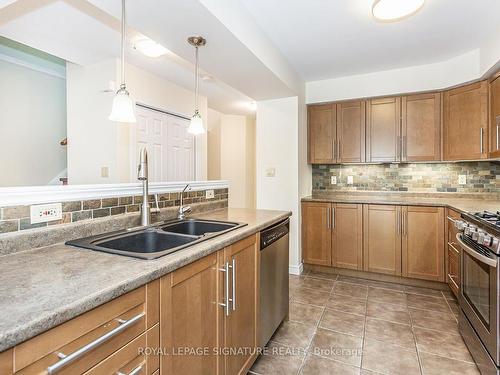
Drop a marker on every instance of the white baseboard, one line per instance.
(296, 269)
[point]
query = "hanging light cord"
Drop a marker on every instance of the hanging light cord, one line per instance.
(123, 46)
(196, 82)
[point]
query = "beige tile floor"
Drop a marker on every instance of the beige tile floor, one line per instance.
(345, 325)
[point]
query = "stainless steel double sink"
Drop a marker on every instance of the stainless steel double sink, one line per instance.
(156, 240)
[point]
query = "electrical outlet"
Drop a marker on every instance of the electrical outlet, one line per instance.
(45, 212)
(209, 194)
(333, 180)
(350, 180)
(462, 179)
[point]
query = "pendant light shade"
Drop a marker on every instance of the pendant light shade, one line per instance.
(123, 105)
(196, 125)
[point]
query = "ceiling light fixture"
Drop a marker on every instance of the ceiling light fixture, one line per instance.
(196, 124)
(395, 10)
(150, 48)
(123, 106)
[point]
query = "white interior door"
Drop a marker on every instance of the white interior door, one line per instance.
(171, 151)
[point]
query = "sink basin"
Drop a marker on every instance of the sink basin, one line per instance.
(157, 240)
(146, 242)
(195, 227)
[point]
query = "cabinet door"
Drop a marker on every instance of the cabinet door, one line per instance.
(421, 127)
(322, 134)
(240, 326)
(495, 118)
(382, 239)
(423, 243)
(465, 122)
(317, 233)
(351, 132)
(347, 232)
(190, 318)
(383, 130)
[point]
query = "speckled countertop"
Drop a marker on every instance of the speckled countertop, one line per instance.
(455, 201)
(44, 287)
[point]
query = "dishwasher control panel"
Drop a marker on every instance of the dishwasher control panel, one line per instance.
(274, 233)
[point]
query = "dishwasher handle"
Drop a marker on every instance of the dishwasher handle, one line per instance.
(272, 234)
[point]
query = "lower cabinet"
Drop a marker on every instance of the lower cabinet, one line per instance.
(382, 239)
(423, 243)
(209, 313)
(452, 253)
(406, 241)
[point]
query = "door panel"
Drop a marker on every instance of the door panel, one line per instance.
(423, 243)
(421, 127)
(322, 133)
(351, 132)
(382, 239)
(495, 118)
(383, 129)
(347, 232)
(316, 233)
(465, 116)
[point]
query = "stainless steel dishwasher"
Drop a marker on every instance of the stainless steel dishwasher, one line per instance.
(273, 278)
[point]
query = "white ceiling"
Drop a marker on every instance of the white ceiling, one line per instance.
(334, 38)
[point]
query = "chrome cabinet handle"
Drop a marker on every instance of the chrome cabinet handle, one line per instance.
(404, 223)
(328, 224)
(339, 151)
(398, 227)
(225, 304)
(333, 217)
(135, 371)
(233, 271)
(398, 148)
(481, 134)
(498, 126)
(404, 148)
(67, 359)
(451, 219)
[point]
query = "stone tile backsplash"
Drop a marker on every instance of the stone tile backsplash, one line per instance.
(16, 218)
(482, 177)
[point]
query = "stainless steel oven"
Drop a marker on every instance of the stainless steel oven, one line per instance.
(479, 294)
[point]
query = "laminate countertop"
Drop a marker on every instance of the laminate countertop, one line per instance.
(44, 287)
(456, 202)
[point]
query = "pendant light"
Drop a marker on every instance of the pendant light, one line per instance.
(123, 106)
(196, 124)
(395, 10)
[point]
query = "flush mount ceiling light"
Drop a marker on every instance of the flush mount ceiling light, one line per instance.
(123, 106)
(196, 124)
(150, 48)
(395, 10)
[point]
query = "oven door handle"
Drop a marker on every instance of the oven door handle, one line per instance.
(473, 253)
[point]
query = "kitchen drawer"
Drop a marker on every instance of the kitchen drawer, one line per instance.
(132, 358)
(452, 231)
(453, 277)
(94, 335)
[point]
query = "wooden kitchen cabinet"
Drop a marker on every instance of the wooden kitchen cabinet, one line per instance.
(317, 233)
(6, 362)
(452, 252)
(347, 236)
(382, 239)
(465, 122)
(191, 317)
(351, 131)
(421, 127)
(322, 135)
(383, 129)
(240, 324)
(423, 243)
(494, 130)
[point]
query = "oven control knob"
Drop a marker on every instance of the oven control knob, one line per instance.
(460, 225)
(495, 244)
(486, 240)
(470, 230)
(476, 234)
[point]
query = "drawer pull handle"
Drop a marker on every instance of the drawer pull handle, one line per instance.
(67, 359)
(135, 371)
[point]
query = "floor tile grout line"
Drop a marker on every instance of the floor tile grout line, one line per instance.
(364, 334)
(416, 345)
(310, 343)
(442, 356)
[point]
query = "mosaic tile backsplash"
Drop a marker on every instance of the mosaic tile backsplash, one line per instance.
(15, 218)
(482, 177)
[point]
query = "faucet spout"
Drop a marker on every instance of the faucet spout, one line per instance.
(142, 175)
(183, 209)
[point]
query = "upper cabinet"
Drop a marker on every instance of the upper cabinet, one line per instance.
(322, 134)
(495, 118)
(383, 129)
(421, 127)
(465, 122)
(351, 132)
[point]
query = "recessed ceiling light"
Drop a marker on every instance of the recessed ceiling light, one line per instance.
(150, 48)
(395, 10)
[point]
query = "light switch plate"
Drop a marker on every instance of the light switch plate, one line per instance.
(462, 179)
(333, 180)
(42, 213)
(270, 172)
(209, 194)
(104, 172)
(350, 180)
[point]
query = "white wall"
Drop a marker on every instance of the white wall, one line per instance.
(32, 123)
(96, 142)
(277, 148)
(213, 144)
